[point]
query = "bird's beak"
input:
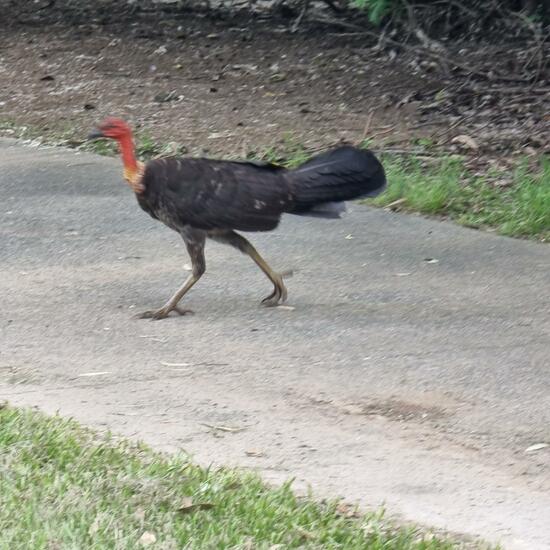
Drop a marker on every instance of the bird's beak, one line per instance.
(96, 134)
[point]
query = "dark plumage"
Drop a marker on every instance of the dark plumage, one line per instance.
(216, 194)
(202, 198)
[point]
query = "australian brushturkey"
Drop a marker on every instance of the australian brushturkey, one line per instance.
(203, 198)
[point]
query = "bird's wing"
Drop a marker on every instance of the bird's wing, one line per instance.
(210, 194)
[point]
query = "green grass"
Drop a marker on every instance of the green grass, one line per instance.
(446, 188)
(290, 153)
(65, 487)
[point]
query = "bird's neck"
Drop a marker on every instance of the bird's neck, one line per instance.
(133, 170)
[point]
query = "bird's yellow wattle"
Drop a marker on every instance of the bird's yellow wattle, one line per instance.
(129, 174)
(134, 177)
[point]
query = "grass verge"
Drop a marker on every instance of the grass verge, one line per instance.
(446, 188)
(63, 486)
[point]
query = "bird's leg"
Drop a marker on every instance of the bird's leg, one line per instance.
(196, 253)
(172, 303)
(279, 293)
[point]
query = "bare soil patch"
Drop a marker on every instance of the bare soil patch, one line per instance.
(229, 85)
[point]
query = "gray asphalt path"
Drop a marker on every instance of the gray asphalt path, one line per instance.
(411, 367)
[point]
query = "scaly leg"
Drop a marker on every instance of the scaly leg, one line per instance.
(279, 293)
(195, 247)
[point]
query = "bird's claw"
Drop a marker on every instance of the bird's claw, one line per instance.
(163, 312)
(279, 293)
(272, 300)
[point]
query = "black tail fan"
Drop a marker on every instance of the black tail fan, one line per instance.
(322, 184)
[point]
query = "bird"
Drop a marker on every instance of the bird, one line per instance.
(202, 198)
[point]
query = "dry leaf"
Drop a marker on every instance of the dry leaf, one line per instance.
(256, 454)
(467, 141)
(187, 506)
(151, 337)
(187, 502)
(94, 528)
(147, 538)
(347, 510)
(536, 447)
(305, 534)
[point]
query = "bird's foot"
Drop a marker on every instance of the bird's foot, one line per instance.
(279, 294)
(163, 312)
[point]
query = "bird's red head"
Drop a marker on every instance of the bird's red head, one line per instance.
(117, 129)
(114, 128)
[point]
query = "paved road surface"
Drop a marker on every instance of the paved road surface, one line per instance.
(396, 380)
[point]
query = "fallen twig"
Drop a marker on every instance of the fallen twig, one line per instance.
(223, 428)
(393, 204)
(303, 12)
(383, 132)
(367, 125)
